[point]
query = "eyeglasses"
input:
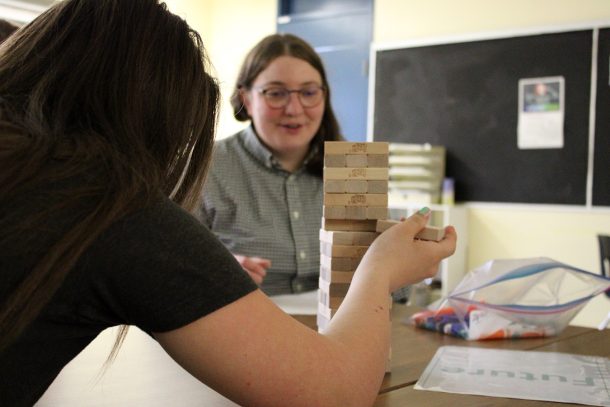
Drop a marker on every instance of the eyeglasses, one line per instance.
(278, 97)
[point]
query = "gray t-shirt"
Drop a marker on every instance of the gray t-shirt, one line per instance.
(258, 209)
(158, 269)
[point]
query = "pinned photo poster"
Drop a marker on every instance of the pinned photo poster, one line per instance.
(541, 113)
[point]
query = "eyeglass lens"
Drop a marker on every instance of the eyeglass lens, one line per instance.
(277, 97)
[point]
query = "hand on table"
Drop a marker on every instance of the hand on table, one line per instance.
(256, 267)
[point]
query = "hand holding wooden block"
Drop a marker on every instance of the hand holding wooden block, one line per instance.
(429, 233)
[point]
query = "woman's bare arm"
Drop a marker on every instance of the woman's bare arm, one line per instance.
(255, 354)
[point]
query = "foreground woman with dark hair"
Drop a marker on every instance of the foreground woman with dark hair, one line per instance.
(107, 116)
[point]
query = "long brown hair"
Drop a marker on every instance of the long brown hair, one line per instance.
(114, 91)
(259, 58)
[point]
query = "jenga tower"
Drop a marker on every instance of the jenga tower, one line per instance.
(355, 198)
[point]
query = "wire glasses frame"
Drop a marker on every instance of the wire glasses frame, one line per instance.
(278, 97)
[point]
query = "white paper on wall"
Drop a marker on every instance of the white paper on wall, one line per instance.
(541, 113)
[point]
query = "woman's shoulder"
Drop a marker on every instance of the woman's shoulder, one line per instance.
(231, 155)
(161, 215)
(160, 236)
(230, 144)
(161, 268)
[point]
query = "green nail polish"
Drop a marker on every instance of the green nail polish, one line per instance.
(424, 210)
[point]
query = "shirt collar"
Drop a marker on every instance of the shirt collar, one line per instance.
(255, 146)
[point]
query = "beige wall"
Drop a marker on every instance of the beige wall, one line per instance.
(399, 20)
(564, 234)
(230, 27)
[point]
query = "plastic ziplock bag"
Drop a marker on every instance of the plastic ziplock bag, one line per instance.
(514, 299)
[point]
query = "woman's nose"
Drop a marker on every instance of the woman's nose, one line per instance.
(294, 105)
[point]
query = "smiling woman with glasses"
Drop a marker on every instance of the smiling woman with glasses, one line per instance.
(263, 196)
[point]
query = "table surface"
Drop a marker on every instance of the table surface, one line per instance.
(413, 348)
(407, 367)
(143, 374)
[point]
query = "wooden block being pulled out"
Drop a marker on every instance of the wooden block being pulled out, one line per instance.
(367, 225)
(347, 238)
(429, 233)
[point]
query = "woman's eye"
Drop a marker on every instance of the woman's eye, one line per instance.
(276, 93)
(310, 92)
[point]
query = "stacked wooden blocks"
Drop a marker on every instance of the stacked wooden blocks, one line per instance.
(355, 198)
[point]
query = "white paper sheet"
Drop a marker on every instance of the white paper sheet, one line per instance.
(305, 303)
(541, 113)
(547, 376)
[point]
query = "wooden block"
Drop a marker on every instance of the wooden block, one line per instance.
(385, 224)
(339, 263)
(334, 160)
(428, 233)
(346, 147)
(336, 186)
(375, 187)
(327, 312)
(376, 160)
(333, 276)
(349, 225)
(334, 212)
(357, 186)
(356, 199)
(328, 301)
(355, 212)
(334, 289)
(431, 233)
(356, 160)
(324, 316)
(376, 212)
(356, 173)
(335, 302)
(322, 322)
(337, 250)
(348, 238)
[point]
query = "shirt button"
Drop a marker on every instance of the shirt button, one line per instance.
(296, 214)
(298, 287)
(290, 178)
(302, 254)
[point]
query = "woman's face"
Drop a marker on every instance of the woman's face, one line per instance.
(286, 130)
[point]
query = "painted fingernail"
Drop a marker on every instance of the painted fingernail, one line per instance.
(424, 210)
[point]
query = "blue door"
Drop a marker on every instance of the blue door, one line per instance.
(341, 32)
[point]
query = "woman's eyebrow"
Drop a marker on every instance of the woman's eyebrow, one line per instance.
(283, 84)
